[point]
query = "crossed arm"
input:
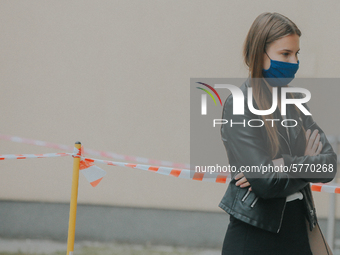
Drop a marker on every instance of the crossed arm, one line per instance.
(313, 148)
(248, 148)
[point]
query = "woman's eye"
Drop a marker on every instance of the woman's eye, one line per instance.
(285, 54)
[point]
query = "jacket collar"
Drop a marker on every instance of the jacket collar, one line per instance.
(292, 130)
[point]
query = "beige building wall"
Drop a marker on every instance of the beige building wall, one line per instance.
(115, 76)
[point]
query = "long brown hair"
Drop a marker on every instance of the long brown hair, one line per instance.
(266, 28)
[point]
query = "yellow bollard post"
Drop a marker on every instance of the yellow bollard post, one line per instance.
(73, 204)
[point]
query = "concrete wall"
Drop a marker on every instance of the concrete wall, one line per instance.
(115, 75)
(21, 220)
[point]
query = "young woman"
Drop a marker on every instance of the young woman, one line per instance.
(273, 213)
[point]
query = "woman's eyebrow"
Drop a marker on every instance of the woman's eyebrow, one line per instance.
(288, 50)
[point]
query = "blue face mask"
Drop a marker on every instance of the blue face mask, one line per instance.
(280, 73)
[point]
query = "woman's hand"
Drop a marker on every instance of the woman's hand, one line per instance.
(242, 181)
(313, 144)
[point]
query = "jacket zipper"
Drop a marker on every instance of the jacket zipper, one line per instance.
(281, 217)
(252, 205)
(285, 201)
(245, 196)
(311, 209)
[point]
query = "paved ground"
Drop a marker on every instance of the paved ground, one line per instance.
(35, 247)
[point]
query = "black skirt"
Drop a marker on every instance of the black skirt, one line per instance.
(244, 239)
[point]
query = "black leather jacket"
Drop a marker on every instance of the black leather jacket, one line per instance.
(263, 207)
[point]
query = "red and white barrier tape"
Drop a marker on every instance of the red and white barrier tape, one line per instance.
(326, 187)
(94, 152)
(92, 173)
(177, 172)
(95, 174)
(210, 177)
(25, 156)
